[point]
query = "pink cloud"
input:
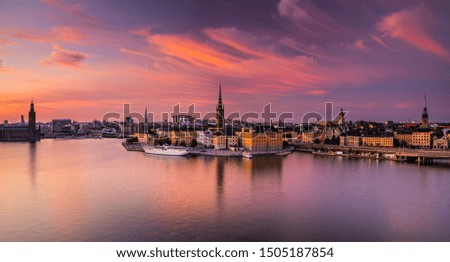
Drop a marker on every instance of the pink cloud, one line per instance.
(59, 33)
(308, 18)
(380, 41)
(316, 92)
(360, 45)
(5, 42)
(73, 10)
(64, 57)
(2, 69)
(412, 26)
(252, 62)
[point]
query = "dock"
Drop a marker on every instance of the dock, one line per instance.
(390, 153)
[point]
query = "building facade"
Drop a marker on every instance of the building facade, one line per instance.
(306, 137)
(404, 138)
(380, 141)
(219, 142)
(352, 141)
(182, 137)
(205, 137)
(440, 143)
(421, 138)
(263, 141)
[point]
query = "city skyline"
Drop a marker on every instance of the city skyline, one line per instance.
(80, 60)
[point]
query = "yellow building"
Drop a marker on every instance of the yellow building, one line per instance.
(352, 141)
(440, 143)
(145, 138)
(219, 142)
(178, 137)
(381, 141)
(265, 141)
(306, 137)
(232, 141)
(405, 137)
(421, 138)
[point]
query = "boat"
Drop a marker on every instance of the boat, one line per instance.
(166, 150)
(247, 154)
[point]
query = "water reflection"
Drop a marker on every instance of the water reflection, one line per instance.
(97, 191)
(220, 181)
(264, 166)
(32, 162)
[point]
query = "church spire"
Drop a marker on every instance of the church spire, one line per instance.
(145, 116)
(425, 99)
(425, 114)
(219, 104)
(220, 111)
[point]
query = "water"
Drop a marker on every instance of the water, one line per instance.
(94, 190)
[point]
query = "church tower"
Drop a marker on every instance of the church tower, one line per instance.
(425, 115)
(220, 112)
(341, 117)
(32, 123)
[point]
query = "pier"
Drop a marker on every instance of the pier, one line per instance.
(394, 153)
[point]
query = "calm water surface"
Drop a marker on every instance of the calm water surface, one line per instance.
(94, 190)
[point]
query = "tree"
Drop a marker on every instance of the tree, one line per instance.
(194, 142)
(285, 144)
(183, 143)
(316, 141)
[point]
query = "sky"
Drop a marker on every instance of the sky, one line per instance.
(83, 59)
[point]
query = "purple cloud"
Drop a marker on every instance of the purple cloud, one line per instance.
(64, 57)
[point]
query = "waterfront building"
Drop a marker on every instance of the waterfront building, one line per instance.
(352, 141)
(232, 141)
(440, 143)
(306, 137)
(425, 123)
(204, 137)
(219, 142)
(182, 137)
(421, 138)
(261, 141)
(220, 112)
(379, 141)
(61, 126)
(404, 137)
(22, 132)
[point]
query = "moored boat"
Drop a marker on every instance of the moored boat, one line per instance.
(247, 154)
(166, 150)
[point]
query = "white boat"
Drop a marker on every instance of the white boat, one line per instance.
(247, 154)
(166, 150)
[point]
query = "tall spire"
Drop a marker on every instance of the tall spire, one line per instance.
(220, 111)
(219, 104)
(425, 99)
(145, 116)
(425, 113)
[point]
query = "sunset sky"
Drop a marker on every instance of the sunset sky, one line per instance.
(82, 59)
